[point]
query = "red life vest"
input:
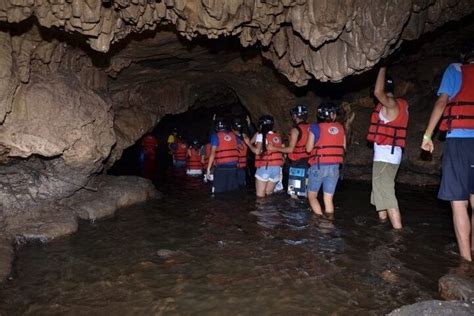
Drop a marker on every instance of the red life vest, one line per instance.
(459, 112)
(227, 151)
(299, 152)
(149, 145)
(330, 147)
(194, 161)
(180, 151)
(243, 149)
(207, 154)
(392, 133)
(268, 158)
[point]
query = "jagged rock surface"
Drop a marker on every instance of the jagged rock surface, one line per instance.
(325, 39)
(435, 308)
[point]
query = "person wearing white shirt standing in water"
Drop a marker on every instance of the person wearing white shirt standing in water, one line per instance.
(387, 130)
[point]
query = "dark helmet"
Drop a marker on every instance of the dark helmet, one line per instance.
(389, 85)
(221, 124)
(467, 52)
(195, 143)
(237, 124)
(265, 122)
(175, 130)
(325, 109)
(301, 111)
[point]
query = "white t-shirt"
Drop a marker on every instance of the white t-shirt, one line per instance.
(384, 152)
(259, 137)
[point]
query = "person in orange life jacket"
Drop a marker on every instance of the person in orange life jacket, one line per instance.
(296, 150)
(149, 145)
(205, 154)
(326, 145)
(387, 130)
(455, 108)
(224, 158)
(193, 159)
(268, 163)
(237, 127)
(180, 150)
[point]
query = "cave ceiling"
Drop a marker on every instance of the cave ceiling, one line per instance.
(323, 39)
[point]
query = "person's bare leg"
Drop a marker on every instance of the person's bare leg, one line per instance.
(395, 218)
(314, 203)
(462, 228)
(328, 203)
(382, 216)
(269, 187)
(260, 188)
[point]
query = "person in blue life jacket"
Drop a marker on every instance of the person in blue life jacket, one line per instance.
(224, 158)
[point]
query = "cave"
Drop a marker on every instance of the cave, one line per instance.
(82, 82)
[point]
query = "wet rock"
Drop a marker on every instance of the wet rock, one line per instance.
(456, 287)
(6, 257)
(436, 308)
(112, 193)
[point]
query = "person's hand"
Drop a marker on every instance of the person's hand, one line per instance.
(427, 145)
(246, 139)
(208, 172)
(248, 119)
(214, 117)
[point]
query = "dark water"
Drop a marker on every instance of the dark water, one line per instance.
(192, 254)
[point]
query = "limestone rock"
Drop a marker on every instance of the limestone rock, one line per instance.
(436, 308)
(456, 287)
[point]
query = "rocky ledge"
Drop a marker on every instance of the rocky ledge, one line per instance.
(101, 199)
(436, 308)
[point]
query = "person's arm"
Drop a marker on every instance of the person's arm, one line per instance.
(188, 152)
(211, 159)
(313, 138)
(257, 148)
(387, 101)
(291, 146)
(438, 109)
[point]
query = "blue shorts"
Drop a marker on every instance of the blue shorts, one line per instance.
(179, 163)
(325, 175)
(270, 173)
(457, 180)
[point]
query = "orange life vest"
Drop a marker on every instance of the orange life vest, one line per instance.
(180, 151)
(392, 133)
(149, 145)
(226, 152)
(243, 149)
(268, 158)
(207, 154)
(299, 152)
(194, 161)
(459, 112)
(330, 147)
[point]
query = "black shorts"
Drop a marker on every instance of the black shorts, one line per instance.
(225, 179)
(457, 180)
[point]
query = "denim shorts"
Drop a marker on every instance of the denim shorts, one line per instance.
(270, 173)
(325, 175)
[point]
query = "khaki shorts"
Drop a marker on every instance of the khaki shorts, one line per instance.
(383, 185)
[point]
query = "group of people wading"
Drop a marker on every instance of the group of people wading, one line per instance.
(315, 151)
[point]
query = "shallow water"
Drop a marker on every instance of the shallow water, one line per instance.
(234, 255)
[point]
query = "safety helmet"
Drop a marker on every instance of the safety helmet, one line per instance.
(195, 143)
(301, 111)
(175, 130)
(467, 51)
(325, 109)
(265, 122)
(221, 124)
(237, 124)
(389, 85)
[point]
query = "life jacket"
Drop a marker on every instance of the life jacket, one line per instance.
(268, 158)
(243, 149)
(180, 151)
(149, 145)
(330, 147)
(194, 161)
(227, 151)
(299, 152)
(207, 154)
(392, 133)
(459, 112)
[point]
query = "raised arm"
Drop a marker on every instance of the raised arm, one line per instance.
(387, 100)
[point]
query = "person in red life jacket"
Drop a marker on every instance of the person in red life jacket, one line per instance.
(205, 154)
(387, 130)
(193, 159)
(326, 144)
(237, 127)
(149, 145)
(296, 150)
(180, 151)
(455, 108)
(224, 158)
(268, 163)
